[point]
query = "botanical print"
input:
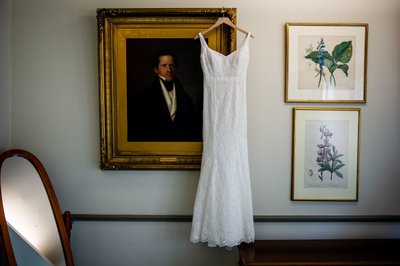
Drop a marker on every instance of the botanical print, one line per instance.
(341, 55)
(328, 158)
(326, 154)
(326, 62)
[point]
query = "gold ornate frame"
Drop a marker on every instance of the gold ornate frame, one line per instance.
(115, 26)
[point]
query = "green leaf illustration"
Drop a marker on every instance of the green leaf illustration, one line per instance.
(339, 174)
(338, 167)
(343, 52)
(315, 55)
(345, 69)
(329, 62)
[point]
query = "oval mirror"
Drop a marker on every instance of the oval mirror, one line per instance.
(32, 226)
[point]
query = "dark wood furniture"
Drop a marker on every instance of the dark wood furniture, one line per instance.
(320, 252)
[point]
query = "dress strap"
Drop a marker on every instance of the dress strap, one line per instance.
(204, 44)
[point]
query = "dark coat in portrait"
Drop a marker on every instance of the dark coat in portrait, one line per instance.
(150, 120)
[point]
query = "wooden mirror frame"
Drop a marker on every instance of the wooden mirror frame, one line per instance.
(62, 227)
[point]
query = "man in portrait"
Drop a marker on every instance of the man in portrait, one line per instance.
(164, 111)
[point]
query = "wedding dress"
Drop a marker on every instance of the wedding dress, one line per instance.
(223, 212)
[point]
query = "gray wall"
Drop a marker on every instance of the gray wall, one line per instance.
(5, 74)
(49, 105)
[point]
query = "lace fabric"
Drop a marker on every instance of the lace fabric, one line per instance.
(223, 212)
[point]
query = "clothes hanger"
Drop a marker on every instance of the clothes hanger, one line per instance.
(223, 20)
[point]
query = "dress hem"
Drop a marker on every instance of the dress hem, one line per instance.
(229, 246)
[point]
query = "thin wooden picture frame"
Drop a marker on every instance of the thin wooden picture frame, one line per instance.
(326, 62)
(325, 154)
(147, 28)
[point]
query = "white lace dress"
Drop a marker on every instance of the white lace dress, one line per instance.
(223, 212)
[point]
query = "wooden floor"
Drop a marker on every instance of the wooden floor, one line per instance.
(320, 252)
